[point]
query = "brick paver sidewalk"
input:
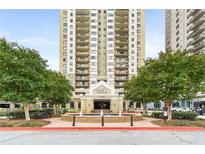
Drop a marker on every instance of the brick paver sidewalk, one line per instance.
(57, 122)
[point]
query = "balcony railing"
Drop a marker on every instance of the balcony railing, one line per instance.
(197, 32)
(82, 72)
(82, 60)
(121, 12)
(199, 38)
(199, 46)
(82, 66)
(198, 15)
(121, 78)
(83, 12)
(82, 18)
(82, 78)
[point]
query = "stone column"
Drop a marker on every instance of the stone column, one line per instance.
(89, 105)
(116, 105)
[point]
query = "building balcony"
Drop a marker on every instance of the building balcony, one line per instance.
(82, 42)
(121, 19)
(122, 42)
(82, 60)
(83, 12)
(197, 15)
(121, 12)
(199, 46)
(123, 48)
(121, 37)
(82, 72)
(121, 73)
(121, 54)
(119, 85)
(193, 12)
(82, 54)
(82, 18)
(121, 78)
(81, 86)
(120, 61)
(82, 36)
(82, 66)
(118, 66)
(121, 25)
(83, 78)
(197, 32)
(82, 30)
(198, 23)
(190, 47)
(121, 30)
(82, 24)
(82, 48)
(199, 38)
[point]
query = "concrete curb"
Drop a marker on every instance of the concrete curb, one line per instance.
(103, 129)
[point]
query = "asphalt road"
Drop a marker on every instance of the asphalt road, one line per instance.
(101, 138)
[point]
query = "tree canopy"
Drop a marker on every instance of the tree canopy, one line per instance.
(172, 76)
(23, 76)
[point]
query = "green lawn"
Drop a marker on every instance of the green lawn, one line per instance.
(188, 123)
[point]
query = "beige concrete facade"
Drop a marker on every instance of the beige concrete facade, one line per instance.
(185, 29)
(99, 51)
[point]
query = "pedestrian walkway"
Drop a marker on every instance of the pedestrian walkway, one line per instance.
(57, 122)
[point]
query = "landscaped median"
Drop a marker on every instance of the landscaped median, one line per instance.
(23, 123)
(177, 122)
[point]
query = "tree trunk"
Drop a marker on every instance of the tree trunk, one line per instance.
(54, 109)
(143, 108)
(169, 107)
(26, 110)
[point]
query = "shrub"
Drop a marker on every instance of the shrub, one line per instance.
(34, 114)
(73, 111)
(184, 115)
(157, 114)
(3, 114)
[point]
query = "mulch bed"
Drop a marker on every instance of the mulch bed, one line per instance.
(186, 123)
(23, 123)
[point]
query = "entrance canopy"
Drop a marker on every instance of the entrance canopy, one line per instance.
(102, 88)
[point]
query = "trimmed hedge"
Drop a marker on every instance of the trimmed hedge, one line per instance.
(34, 114)
(177, 115)
(184, 115)
(73, 110)
(157, 114)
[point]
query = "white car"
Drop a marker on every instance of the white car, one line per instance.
(181, 109)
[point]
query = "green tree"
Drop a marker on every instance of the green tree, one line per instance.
(57, 89)
(139, 89)
(177, 76)
(21, 74)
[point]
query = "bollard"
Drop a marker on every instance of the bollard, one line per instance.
(131, 121)
(102, 120)
(73, 120)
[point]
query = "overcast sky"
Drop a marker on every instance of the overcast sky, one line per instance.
(39, 29)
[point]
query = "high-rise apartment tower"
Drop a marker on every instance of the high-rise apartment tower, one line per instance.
(99, 51)
(185, 29)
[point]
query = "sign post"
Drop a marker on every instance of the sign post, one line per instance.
(102, 120)
(165, 113)
(131, 121)
(73, 120)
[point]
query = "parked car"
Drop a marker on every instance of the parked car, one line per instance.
(200, 111)
(182, 109)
